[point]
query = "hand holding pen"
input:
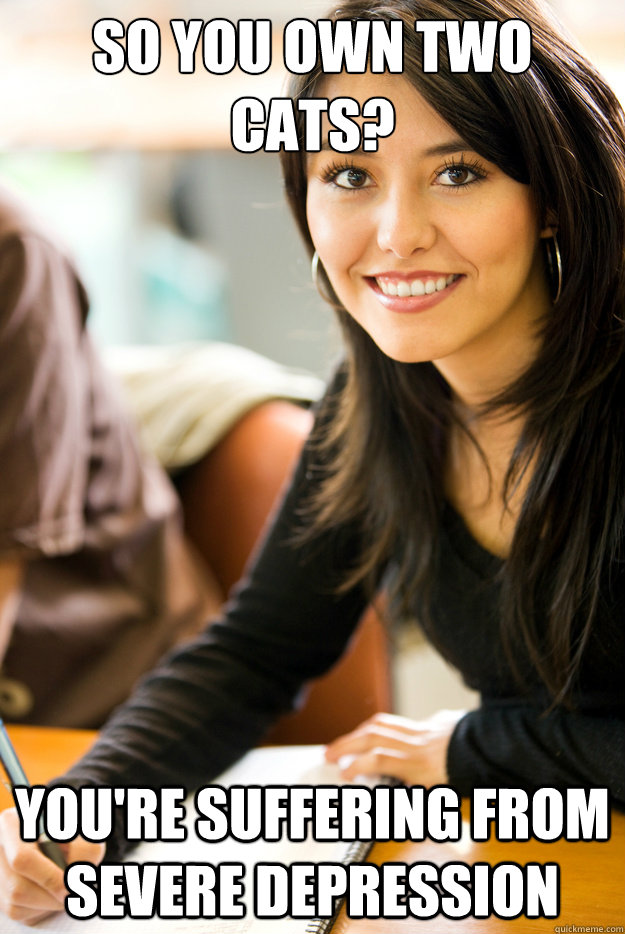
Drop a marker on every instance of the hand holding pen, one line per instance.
(32, 874)
(17, 777)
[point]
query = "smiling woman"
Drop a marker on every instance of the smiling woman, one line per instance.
(468, 453)
(486, 393)
(405, 235)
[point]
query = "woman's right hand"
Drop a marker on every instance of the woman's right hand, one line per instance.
(31, 885)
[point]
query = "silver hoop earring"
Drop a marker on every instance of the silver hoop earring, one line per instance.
(554, 261)
(321, 282)
(314, 270)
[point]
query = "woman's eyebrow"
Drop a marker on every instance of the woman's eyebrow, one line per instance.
(441, 149)
(446, 148)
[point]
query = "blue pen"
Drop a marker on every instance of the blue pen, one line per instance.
(17, 776)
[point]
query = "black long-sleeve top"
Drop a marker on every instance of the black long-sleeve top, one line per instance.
(214, 699)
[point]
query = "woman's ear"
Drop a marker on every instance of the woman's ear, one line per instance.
(550, 228)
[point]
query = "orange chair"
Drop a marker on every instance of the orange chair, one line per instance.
(226, 499)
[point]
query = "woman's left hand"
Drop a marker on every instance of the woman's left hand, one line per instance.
(413, 751)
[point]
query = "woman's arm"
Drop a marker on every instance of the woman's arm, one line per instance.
(512, 745)
(516, 745)
(214, 698)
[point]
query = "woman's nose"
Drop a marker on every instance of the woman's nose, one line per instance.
(404, 226)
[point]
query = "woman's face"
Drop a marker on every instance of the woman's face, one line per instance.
(432, 249)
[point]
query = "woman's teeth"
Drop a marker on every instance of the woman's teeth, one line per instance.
(404, 288)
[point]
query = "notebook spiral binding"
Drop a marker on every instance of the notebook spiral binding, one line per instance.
(356, 852)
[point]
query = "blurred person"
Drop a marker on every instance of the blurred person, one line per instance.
(96, 580)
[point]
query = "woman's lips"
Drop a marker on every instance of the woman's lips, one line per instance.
(412, 292)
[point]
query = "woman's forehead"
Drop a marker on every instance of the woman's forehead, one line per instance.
(413, 114)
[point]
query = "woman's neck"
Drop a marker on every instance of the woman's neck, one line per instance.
(478, 461)
(475, 479)
(475, 378)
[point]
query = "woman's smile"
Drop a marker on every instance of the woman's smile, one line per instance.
(412, 292)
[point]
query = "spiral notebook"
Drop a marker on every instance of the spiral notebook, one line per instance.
(283, 765)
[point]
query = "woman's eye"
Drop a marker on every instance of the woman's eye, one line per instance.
(351, 178)
(455, 176)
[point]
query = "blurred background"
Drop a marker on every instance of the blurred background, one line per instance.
(177, 236)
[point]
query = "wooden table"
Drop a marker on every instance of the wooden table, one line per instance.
(592, 889)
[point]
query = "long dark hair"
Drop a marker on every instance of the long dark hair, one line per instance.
(558, 128)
